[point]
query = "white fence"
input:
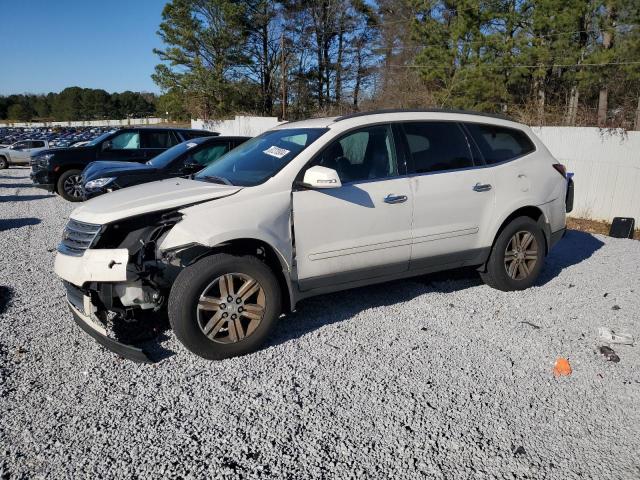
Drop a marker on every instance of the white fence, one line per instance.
(89, 123)
(240, 125)
(606, 164)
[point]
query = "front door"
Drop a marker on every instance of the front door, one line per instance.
(362, 229)
(124, 146)
(21, 152)
(453, 198)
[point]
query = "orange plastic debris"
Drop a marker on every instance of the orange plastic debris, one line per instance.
(562, 367)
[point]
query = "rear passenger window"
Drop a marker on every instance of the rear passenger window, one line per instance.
(209, 154)
(157, 140)
(37, 144)
(499, 144)
(437, 146)
(187, 135)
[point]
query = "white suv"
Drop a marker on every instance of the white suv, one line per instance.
(312, 207)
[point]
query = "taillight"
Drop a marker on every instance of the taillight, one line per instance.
(562, 170)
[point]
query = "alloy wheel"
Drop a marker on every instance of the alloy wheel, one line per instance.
(521, 255)
(231, 308)
(73, 186)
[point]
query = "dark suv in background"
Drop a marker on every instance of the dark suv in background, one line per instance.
(58, 170)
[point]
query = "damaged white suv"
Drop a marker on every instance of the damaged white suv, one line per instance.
(307, 208)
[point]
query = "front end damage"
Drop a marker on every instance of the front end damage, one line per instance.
(118, 281)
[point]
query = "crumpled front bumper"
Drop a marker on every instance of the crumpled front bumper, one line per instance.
(81, 309)
(99, 265)
(127, 351)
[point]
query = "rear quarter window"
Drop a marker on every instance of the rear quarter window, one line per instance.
(500, 144)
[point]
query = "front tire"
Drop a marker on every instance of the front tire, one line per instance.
(224, 306)
(3, 163)
(69, 186)
(517, 256)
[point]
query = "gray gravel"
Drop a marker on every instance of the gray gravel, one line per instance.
(437, 377)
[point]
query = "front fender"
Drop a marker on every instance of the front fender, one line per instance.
(241, 216)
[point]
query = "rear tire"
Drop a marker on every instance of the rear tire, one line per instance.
(224, 306)
(3, 163)
(517, 256)
(69, 186)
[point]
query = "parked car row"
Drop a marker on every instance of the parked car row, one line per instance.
(18, 145)
(60, 170)
(58, 137)
(304, 209)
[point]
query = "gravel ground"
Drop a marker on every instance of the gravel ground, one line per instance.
(437, 377)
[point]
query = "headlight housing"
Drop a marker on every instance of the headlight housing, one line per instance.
(42, 160)
(98, 183)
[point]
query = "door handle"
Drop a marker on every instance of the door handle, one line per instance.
(395, 198)
(481, 187)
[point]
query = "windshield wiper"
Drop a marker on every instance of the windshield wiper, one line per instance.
(215, 179)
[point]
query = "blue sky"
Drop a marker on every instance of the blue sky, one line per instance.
(48, 45)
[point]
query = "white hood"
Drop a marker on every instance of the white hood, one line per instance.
(149, 197)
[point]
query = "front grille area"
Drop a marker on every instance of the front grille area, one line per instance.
(78, 237)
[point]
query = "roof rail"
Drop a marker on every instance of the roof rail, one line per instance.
(422, 110)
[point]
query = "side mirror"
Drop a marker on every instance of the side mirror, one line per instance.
(106, 145)
(321, 177)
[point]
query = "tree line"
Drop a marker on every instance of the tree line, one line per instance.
(75, 103)
(573, 62)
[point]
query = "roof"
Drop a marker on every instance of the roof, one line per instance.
(322, 122)
(329, 122)
(423, 110)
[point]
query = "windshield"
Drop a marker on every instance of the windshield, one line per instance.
(168, 156)
(97, 140)
(260, 158)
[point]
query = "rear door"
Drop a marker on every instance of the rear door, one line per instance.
(507, 151)
(154, 142)
(453, 195)
(362, 229)
(36, 146)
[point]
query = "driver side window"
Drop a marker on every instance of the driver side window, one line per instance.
(364, 154)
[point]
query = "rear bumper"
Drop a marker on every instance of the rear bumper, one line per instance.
(127, 351)
(569, 198)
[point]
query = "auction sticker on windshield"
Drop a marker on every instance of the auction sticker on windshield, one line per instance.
(276, 151)
(191, 145)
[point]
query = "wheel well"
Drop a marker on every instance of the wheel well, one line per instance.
(61, 171)
(536, 215)
(532, 212)
(263, 251)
